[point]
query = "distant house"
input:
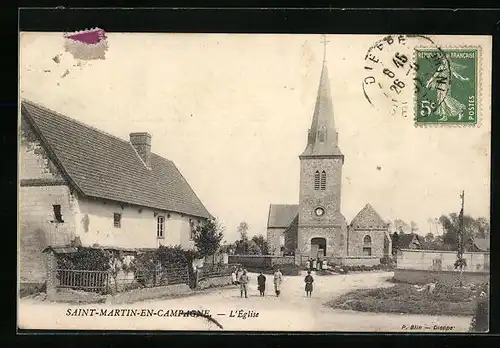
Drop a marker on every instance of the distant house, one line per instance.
(79, 183)
(481, 244)
(409, 241)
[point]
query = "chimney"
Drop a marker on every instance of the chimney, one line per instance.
(142, 144)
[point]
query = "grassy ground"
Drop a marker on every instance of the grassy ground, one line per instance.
(404, 298)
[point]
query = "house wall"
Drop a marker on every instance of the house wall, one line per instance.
(441, 260)
(36, 231)
(42, 186)
(356, 244)
(137, 228)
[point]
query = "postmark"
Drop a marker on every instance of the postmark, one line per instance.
(391, 72)
(86, 44)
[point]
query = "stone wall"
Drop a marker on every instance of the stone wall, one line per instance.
(413, 276)
(356, 260)
(356, 242)
(215, 282)
(329, 199)
(37, 228)
(262, 261)
(335, 236)
(273, 240)
(442, 260)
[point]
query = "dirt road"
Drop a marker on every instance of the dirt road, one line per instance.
(290, 312)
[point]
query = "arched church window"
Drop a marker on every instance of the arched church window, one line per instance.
(323, 180)
(367, 246)
(316, 180)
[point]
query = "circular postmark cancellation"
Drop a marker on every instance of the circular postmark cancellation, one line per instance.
(407, 70)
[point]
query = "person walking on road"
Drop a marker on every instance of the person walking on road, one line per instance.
(278, 278)
(261, 280)
(244, 283)
(309, 280)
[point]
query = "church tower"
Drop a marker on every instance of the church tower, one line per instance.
(322, 228)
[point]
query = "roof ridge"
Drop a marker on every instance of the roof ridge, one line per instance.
(41, 106)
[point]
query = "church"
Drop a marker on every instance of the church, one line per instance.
(315, 228)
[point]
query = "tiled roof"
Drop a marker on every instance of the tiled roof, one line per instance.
(483, 244)
(405, 239)
(368, 218)
(281, 215)
(103, 166)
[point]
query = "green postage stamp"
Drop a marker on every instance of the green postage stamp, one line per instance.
(446, 86)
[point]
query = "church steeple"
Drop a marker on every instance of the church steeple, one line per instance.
(322, 138)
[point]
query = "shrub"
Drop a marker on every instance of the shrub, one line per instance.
(480, 319)
(146, 265)
(90, 259)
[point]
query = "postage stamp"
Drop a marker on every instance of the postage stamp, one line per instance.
(448, 94)
(86, 44)
(271, 183)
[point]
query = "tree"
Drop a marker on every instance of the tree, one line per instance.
(483, 228)
(401, 227)
(243, 230)
(261, 243)
(208, 237)
(253, 248)
(429, 237)
(413, 227)
(472, 228)
(430, 221)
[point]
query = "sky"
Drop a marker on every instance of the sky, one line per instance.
(232, 111)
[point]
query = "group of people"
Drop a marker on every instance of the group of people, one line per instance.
(241, 278)
(317, 264)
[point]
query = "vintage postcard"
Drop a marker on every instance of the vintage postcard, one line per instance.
(227, 182)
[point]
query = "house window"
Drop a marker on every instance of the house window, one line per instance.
(323, 180)
(57, 213)
(117, 220)
(160, 227)
(316, 180)
(367, 246)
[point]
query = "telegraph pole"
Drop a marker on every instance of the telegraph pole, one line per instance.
(460, 253)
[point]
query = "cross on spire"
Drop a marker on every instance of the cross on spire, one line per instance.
(324, 41)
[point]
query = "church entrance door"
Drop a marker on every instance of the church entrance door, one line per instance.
(318, 248)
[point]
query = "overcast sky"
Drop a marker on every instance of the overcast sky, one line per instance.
(232, 111)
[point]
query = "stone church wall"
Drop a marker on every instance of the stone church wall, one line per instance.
(273, 240)
(356, 242)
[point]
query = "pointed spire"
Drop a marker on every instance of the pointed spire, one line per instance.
(323, 137)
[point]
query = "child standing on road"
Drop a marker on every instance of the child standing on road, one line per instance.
(261, 280)
(309, 280)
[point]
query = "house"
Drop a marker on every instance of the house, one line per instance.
(481, 244)
(80, 183)
(409, 241)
